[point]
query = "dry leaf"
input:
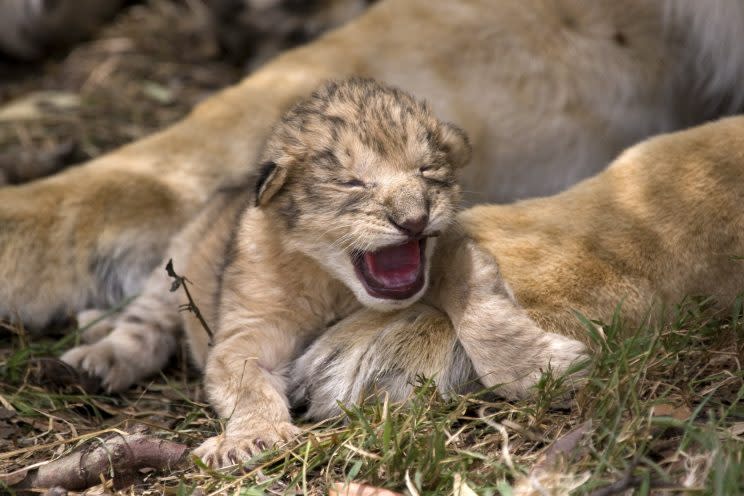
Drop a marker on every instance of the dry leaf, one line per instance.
(562, 448)
(737, 429)
(551, 474)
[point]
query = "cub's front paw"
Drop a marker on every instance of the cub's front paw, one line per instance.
(562, 352)
(550, 352)
(130, 352)
(236, 446)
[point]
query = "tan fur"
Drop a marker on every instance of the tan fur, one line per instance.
(124, 348)
(289, 274)
(548, 92)
(663, 222)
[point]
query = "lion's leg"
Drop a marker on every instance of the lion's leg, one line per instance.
(484, 339)
(86, 239)
(139, 341)
(509, 351)
(372, 353)
(95, 324)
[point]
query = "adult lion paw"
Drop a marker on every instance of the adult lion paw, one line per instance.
(116, 367)
(237, 446)
(130, 352)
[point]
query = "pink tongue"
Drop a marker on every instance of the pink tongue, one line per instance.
(395, 266)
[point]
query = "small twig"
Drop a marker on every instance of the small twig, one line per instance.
(181, 282)
(122, 455)
(504, 436)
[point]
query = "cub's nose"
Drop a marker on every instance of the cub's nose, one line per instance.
(413, 226)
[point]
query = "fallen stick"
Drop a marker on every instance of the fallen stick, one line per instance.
(120, 458)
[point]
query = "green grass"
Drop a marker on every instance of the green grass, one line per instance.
(661, 408)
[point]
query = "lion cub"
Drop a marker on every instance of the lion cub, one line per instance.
(356, 190)
(357, 183)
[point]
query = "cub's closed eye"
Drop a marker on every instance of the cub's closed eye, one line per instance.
(353, 183)
(436, 175)
(431, 170)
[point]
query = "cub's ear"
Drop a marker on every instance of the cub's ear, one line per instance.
(455, 144)
(270, 180)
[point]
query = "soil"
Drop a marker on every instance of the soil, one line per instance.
(139, 73)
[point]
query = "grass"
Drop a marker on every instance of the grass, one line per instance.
(660, 411)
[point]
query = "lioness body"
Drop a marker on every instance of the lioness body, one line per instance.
(663, 222)
(548, 92)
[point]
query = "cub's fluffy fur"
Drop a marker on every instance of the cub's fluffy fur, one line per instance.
(347, 172)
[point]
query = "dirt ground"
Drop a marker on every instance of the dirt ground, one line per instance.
(141, 72)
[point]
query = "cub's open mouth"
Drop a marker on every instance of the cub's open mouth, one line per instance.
(393, 272)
